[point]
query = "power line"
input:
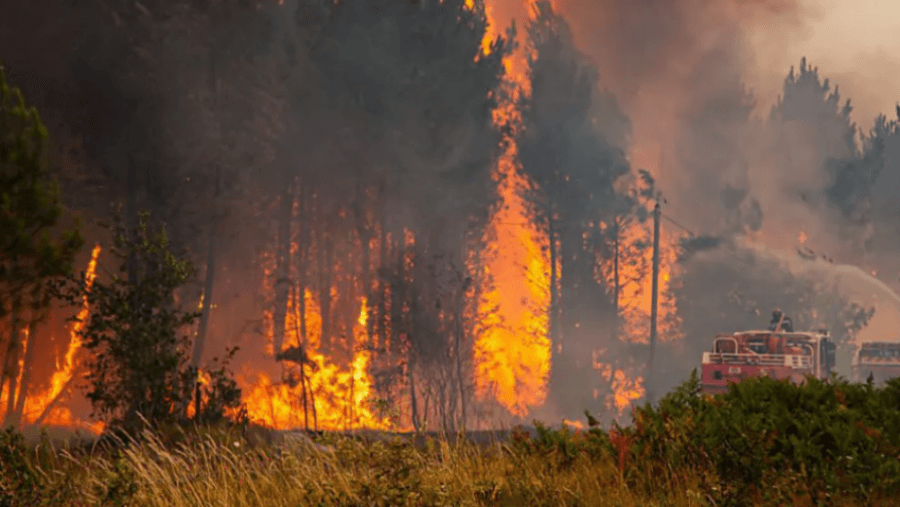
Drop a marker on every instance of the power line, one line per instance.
(666, 216)
(730, 251)
(676, 224)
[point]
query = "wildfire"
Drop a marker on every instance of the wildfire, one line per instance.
(45, 408)
(335, 398)
(63, 376)
(636, 284)
(512, 350)
(626, 391)
(577, 425)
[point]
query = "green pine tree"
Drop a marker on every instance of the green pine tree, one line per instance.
(33, 250)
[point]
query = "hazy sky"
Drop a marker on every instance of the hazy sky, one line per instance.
(854, 42)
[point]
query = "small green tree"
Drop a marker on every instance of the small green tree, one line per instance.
(30, 258)
(138, 335)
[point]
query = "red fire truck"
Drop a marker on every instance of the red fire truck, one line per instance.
(878, 360)
(777, 354)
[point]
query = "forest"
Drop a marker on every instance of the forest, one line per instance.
(392, 215)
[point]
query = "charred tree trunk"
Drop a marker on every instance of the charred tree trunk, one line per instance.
(200, 342)
(442, 405)
(326, 268)
(302, 257)
(366, 234)
(31, 345)
(616, 277)
(414, 414)
(282, 268)
(383, 263)
(11, 363)
(457, 350)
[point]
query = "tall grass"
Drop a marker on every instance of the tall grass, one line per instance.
(764, 443)
(218, 468)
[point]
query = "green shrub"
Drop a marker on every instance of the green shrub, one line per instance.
(767, 436)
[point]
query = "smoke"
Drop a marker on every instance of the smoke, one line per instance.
(851, 282)
(698, 81)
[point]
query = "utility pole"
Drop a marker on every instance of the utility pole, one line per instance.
(654, 302)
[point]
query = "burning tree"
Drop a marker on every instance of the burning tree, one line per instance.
(567, 150)
(136, 335)
(395, 176)
(30, 259)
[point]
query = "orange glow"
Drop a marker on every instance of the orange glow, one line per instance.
(636, 284)
(623, 390)
(61, 377)
(577, 425)
(60, 415)
(512, 348)
(340, 397)
(490, 30)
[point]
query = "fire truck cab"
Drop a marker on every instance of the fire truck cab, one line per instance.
(776, 354)
(878, 360)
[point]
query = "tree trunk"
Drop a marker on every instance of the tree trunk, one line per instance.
(11, 363)
(616, 278)
(26, 375)
(365, 233)
(282, 268)
(200, 342)
(326, 267)
(300, 299)
(457, 351)
(383, 263)
(414, 415)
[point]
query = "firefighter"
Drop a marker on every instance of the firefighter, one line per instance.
(776, 319)
(781, 322)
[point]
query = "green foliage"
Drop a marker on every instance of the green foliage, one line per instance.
(30, 210)
(21, 481)
(119, 484)
(138, 335)
(774, 438)
(571, 146)
(220, 394)
(764, 443)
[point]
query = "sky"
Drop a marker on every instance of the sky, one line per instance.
(854, 42)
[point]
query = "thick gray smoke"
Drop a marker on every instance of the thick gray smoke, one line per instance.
(774, 173)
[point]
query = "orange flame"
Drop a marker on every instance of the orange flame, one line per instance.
(339, 399)
(512, 349)
(61, 415)
(636, 284)
(61, 377)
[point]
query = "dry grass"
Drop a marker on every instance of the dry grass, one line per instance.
(225, 469)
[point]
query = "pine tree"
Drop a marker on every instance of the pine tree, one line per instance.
(31, 258)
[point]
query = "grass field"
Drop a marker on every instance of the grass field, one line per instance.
(222, 468)
(764, 443)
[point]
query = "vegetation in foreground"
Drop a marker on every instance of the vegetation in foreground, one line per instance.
(766, 442)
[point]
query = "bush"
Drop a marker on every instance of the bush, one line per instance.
(771, 439)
